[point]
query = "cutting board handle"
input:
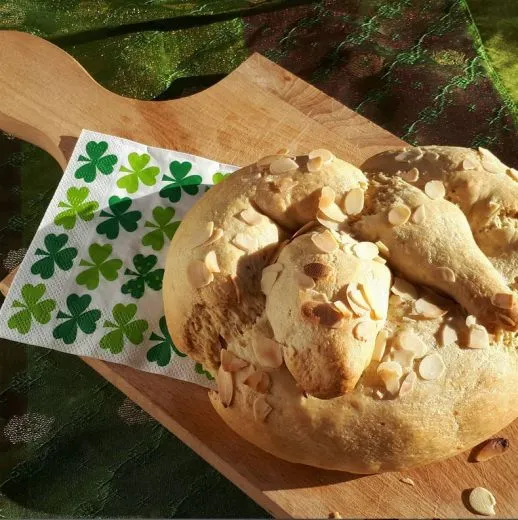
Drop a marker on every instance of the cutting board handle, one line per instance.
(46, 97)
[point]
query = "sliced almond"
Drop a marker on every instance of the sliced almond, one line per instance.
(317, 270)
(408, 384)
(245, 242)
(267, 351)
(251, 216)
(390, 373)
(383, 249)
(198, 274)
(211, 261)
(342, 308)
(427, 309)
(327, 222)
(411, 175)
(204, 235)
(267, 160)
(482, 501)
(410, 341)
(398, 215)
(268, 278)
(512, 173)
(410, 155)
(419, 214)
(225, 386)
(432, 367)
(467, 164)
(283, 165)
(315, 164)
(435, 189)
(326, 155)
(447, 335)
(327, 197)
(374, 298)
(478, 337)
(503, 300)
(364, 330)
(380, 260)
(445, 274)
(356, 300)
(491, 448)
(380, 345)
(333, 212)
(230, 362)
(366, 250)
(259, 381)
(261, 408)
(406, 480)
(283, 151)
(216, 235)
(404, 289)
(471, 320)
(404, 357)
(354, 201)
(304, 281)
(325, 242)
(489, 161)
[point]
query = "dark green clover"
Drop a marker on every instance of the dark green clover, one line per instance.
(162, 227)
(144, 275)
(95, 161)
(161, 352)
(119, 217)
(180, 180)
(198, 368)
(125, 327)
(78, 317)
(56, 254)
(32, 306)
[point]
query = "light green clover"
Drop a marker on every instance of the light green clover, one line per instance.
(77, 207)
(99, 266)
(163, 227)
(124, 326)
(31, 307)
(139, 172)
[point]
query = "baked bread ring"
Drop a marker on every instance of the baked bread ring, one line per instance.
(363, 322)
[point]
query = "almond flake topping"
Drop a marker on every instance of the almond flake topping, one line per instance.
(478, 337)
(364, 330)
(261, 409)
(366, 250)
(342, 308)
(315, 164)
(326, 155)
(230, 362)
(419, 214)
(354, 201)
(467, 164)
(445, 274)
(283, 165)
(448, 335)
(411, 175)
(259, 381)
(428, 310)
(245, 242)
(432, 367)
(327, 197)
(327, 223)
(333, 212)
(406, 387)
(435, 189)
(198, 274)
(225, 386)
(211, 261)
(404, 289)
(398, 215)
(410, 341)
(324, 241)
(374, 298)
(251, 216)
(266, 161)
(383, 249)
(512, 173)
(390, 372)
(380, 345)
(356, 300)
(204, 235)
(267, 351)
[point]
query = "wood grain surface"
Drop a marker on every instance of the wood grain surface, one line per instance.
(46, 98)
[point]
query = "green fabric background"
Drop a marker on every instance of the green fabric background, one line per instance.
(430, 71)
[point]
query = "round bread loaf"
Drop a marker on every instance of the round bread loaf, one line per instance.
(355, 321)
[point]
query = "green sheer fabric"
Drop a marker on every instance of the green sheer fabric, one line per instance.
(430, 71)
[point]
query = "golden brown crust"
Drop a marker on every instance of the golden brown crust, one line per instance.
(320, 386)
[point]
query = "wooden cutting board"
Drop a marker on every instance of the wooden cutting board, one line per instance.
(46, 98)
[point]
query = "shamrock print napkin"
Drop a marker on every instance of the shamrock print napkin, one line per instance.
(91, 281)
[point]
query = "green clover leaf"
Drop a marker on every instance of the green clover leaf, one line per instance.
(95, 161)
(163, 227)
(143, 276)
(120, 216)
(138, 172)
(79, 317)
(32, 308)
(219, 177)
(161, 352)
(99, 266)
(77, 206)
(54, 255)
(180, 181)
(198, 368)
(124, 326)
